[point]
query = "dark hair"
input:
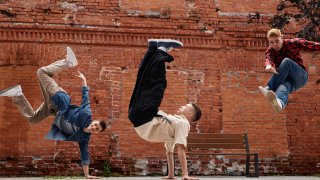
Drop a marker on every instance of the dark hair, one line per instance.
(103, 125)
(197, 112)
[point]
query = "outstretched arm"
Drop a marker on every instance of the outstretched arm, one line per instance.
(269, 65)
(307, 45)
(86, 172)
(85, 91)
(170, 160)
(183, 162)
(81, 76)
(85, 159)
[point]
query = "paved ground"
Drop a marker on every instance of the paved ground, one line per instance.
(204, 178)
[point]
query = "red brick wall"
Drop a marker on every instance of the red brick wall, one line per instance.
(265, 7)
(219, 68)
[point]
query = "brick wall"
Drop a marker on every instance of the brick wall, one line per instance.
(219, 68)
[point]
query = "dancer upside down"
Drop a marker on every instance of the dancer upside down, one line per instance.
(71, 123)
(152, 124)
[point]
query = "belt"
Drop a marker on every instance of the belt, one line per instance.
(163, 117)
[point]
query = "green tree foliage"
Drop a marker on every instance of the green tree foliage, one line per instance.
(308, 16)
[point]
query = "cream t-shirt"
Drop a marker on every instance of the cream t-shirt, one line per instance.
(170, 129)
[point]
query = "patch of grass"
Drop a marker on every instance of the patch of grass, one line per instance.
(179, 173)
(107, 169)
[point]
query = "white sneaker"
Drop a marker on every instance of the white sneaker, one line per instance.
(11, 91)
(71, 58)
(274, 101)
(263, 90)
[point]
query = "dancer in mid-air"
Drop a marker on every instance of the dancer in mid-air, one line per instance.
(283, 59)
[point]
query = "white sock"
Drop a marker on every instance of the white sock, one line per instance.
(19, 93)
(280, 102)
(162, 48)
(66, 63)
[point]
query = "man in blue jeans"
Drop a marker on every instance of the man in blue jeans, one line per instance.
(71, 123)
(283, 59)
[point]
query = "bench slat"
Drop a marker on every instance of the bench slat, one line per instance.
(193, 153)
(215, 140)
(214, 135)
(216, 145)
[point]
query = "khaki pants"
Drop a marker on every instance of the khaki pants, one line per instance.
(48, 88)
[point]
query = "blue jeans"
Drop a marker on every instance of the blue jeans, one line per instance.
(291, 77)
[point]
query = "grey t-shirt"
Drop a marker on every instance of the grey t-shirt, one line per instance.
(66, 127)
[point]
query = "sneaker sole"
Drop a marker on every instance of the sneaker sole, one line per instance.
(7, 89)
(71, 55)
(272, 99)
(166, 40)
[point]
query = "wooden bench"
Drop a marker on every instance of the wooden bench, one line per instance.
(219, 141)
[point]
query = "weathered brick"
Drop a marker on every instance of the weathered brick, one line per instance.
(219, 68)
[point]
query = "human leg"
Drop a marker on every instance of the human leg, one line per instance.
(48, 88)
(150, 85)
(291, 71)
(290, 77)
(45, 74)
(18, 98)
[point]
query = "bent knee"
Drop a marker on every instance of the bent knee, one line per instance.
(40, 71)
(287, 60)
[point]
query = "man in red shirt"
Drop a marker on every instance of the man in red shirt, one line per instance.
(283, 59)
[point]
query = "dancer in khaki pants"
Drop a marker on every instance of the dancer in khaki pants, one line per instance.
(71, 123)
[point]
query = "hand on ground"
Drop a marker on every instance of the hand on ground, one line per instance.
(92, 177)
(167, 177)
(189, 178)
